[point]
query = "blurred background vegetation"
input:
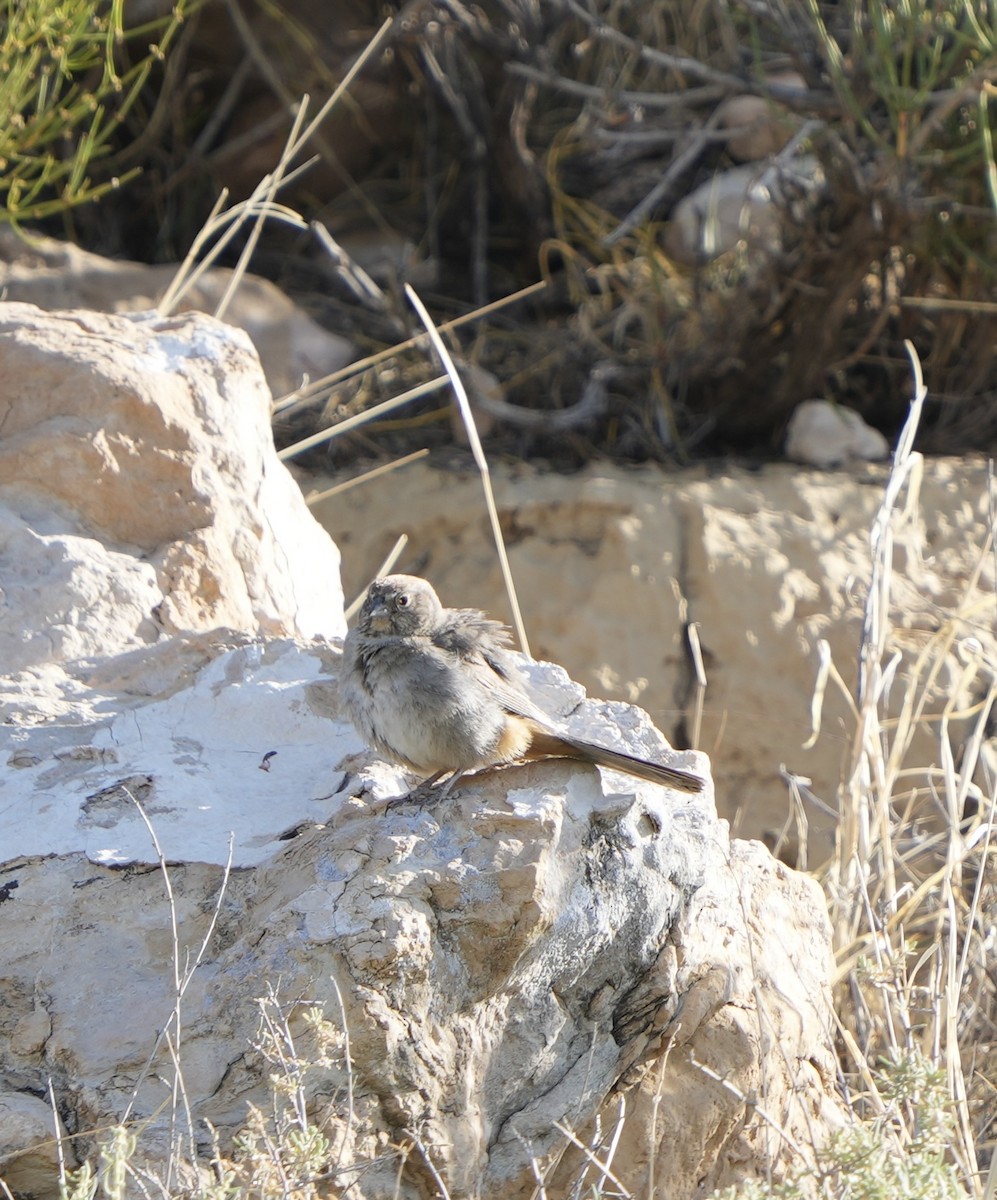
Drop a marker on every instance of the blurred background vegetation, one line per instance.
(494, 145)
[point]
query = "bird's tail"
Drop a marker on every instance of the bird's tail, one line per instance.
(549, 745)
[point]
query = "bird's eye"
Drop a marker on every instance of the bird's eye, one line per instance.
(403, 601)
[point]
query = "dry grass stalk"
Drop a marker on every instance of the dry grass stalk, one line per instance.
(262, 205)
(913, 986)
(464, 407)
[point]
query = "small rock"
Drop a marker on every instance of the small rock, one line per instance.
(28, 1150)
(750, 203)
(822, 434)
(762, 126)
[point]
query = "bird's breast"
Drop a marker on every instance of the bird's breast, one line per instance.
(423, 707)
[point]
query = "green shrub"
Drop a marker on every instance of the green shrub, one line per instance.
(62, 99)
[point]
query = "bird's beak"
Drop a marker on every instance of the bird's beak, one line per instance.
(379, 618)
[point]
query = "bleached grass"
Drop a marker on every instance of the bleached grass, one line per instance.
(911, 896)
(480, 461)
(224, 224)
(903, 901)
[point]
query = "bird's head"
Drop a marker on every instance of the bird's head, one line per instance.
(399, 606)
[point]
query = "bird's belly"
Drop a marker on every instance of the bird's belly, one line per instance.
(432, 728)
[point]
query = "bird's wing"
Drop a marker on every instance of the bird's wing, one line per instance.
(481, 644)
(469, 634)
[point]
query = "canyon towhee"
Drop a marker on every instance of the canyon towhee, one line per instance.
(436, 689)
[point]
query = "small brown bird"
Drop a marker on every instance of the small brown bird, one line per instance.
(437, 690)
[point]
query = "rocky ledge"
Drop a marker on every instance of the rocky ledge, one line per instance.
(189, 829)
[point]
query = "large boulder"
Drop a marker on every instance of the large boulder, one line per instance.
(524, 957)
(140, 493)
(190, 830)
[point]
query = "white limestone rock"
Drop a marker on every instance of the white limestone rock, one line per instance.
(753, 204)
(822, 434)
(187, 823)
(140, 492)
(510, 958)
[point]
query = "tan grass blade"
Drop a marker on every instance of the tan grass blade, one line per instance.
(369, 414)
(366, 477)
(299, 395)
(464, 406)
(261, 205)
